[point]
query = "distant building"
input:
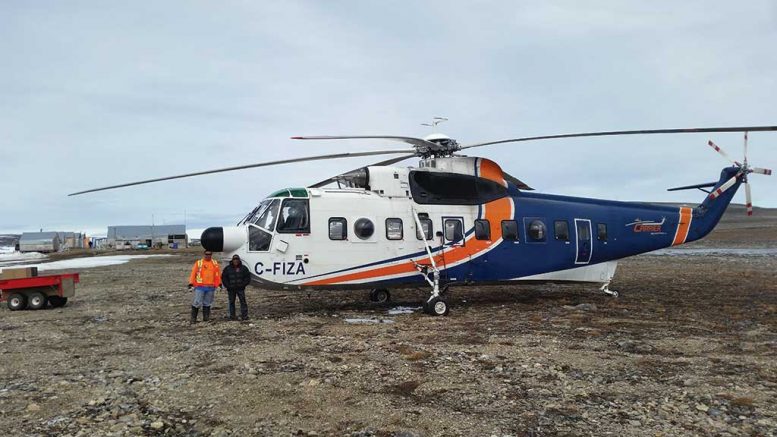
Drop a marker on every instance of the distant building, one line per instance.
(99, 242)
(145, 236)
(71, 240)
(39, 242)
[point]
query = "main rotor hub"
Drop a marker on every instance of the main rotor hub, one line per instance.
(448, 145)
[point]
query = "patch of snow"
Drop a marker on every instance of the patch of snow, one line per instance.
(89, 262)
(402, 310)
(8, 258)
(6, 249)
(361, 321)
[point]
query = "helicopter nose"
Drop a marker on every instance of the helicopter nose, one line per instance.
(218, 239)
(213, 239)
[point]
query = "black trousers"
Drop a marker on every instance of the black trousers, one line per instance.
(241, 294)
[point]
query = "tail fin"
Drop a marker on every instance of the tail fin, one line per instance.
(706, 216)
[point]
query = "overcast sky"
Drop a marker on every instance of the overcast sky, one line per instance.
(96, 93)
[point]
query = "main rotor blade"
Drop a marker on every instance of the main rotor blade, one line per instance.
(377, 164)
(260, 164)
(631, 132)
(419, 143)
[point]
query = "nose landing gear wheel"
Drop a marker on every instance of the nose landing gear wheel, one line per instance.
(380, 295)
(437, 306)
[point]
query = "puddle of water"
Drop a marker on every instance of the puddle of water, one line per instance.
(715, 252)
(360, 321)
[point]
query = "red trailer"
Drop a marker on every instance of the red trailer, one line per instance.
(34, 293)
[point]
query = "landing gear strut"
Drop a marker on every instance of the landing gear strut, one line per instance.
(436, 305)
(606, 290)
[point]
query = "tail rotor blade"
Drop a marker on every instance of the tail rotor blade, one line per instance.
(726, 185)
(723, 153)
(745, 148)
(763, 171)
(748, 200)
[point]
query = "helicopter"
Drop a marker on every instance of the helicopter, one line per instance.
(454, 220)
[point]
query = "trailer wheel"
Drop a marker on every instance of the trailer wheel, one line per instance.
(17, 301)
(36, 300)
(57, 301)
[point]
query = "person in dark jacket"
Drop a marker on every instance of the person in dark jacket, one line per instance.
(235, 278)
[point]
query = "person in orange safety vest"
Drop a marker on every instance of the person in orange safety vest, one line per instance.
(203, 280)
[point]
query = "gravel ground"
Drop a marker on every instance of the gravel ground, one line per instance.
(687, 349)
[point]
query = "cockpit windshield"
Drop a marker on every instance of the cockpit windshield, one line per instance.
(262, 213)
(266, 217)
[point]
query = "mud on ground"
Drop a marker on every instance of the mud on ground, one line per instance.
(688, 348)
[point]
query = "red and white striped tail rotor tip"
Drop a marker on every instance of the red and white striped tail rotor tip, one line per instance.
(763, 171)
(748, 200)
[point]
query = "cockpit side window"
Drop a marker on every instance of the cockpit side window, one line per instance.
(294, 216)
(268, 218)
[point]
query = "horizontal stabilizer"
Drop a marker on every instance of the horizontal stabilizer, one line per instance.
(691, 187)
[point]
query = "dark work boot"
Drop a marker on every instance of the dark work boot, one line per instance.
(205, 314)
(193, 320)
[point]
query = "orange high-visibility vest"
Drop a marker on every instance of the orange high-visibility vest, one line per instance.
(205, 273)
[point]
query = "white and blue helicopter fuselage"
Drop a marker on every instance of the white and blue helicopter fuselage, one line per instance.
(451, 221)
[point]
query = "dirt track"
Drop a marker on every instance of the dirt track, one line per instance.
(688, 348)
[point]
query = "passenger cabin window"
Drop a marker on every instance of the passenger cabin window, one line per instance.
(535, 231)
(561, 229)
(426, 225)
(510, 230)
(438, 188)
(338, 228)
(258, 239)
(454, 231)
(363, 228)
(601, 232)
(394, 228)
(482, 230)
(294, 217)
(583, 230)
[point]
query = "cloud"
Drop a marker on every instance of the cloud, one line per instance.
(101, 93)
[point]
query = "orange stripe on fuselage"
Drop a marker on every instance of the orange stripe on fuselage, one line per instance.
(494, 212)
(683, 226)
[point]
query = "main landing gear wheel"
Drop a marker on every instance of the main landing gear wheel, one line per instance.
(36, 300)
(437, 306)
(57, 301)
(17, 302)
(380, 295)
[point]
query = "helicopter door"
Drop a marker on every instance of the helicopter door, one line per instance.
(583, 241)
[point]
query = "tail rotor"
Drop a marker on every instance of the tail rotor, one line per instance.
(744, 171)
